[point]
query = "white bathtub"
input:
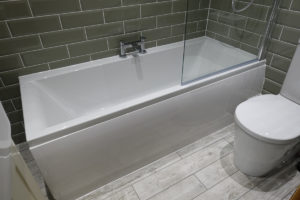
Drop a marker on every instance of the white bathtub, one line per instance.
(90, 123)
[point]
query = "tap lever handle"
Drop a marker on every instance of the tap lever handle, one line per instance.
(139, 46)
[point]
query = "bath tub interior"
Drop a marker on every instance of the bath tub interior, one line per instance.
(55, 102)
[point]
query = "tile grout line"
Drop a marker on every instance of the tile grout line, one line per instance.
(223, 177)
(240, 29)
(239, 15)
(271, 59)
(60, 22)
(291, 3)
(21, 59)
(208, 14)
(40, 39)
(68, 51)
(277, 70)
(9, 31)
(273, 82)
(183, 159)
(107, 44)
(61, 45)
(191, 175)
(248, 189)
(194, 175)
(123, 26)
(103, 15)
(1, 81)
(11, 101)
(240, 43)
(282, 57)
(278, 40)
(18, 134)
(85, 34)
(264, 90)
(193, 152)
(289, 27)
(45, 32)
(256, 4)
(49, 68)
(80, 5)
(62, 28)
(29, 6)
(50, 62)
(151, 173)
(98, 9)
(219, 157)
(140, 11)
(281, 31)
(136, 192)
(70, 12)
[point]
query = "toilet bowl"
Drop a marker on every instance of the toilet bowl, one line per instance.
(268, 126)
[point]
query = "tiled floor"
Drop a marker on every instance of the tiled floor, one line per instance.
(203, 170)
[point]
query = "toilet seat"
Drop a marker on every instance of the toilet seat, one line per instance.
(272, 118)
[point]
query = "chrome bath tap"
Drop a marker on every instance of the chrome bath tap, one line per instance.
(137, 46)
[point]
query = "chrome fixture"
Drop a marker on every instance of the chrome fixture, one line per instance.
(242, 9)
(137, 46)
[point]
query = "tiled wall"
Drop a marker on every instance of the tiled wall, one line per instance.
(37, 35)
(245, 30)
(283, 45)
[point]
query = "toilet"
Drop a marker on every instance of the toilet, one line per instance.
(268, 126)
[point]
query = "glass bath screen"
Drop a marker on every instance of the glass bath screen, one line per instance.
(227, 35)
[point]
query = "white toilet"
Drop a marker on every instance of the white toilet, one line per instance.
(268, 126)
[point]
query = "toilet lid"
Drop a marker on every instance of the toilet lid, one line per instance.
(272, 118)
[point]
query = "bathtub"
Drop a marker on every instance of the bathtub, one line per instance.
(91, 123)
